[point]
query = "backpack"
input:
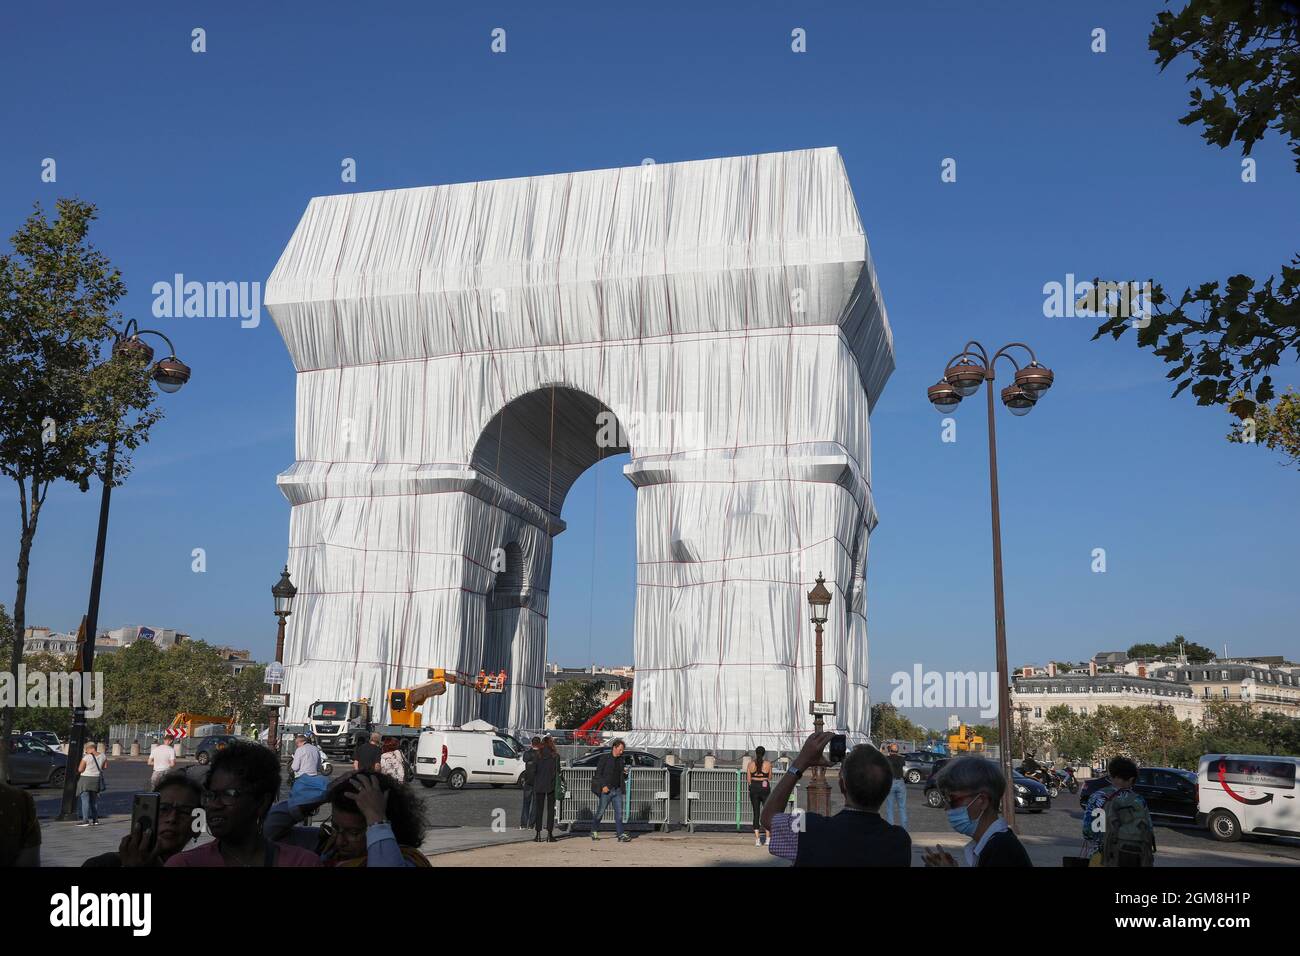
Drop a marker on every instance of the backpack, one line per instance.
(1128, 839)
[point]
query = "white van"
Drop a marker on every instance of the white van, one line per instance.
(1244, 793)
(458, 757)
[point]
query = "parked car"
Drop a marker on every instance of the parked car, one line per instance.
(918, 764)
(33, 764)
(1030, 794)
(47, 737)
(1170, 792)
(637, 758)
(210, 744)
(1240, 794)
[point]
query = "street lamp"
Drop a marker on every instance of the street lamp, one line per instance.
(169, 375)
(819, 791)
(961, 379)
(284, 592)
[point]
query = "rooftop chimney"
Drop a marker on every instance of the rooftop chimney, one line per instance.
(1092, 668)
(1051, 668)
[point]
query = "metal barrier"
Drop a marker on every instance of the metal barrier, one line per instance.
(645, 799)
(721, 798)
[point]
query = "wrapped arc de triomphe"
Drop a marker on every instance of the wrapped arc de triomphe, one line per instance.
(461, 352)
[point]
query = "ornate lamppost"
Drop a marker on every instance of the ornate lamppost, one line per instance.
(962, 378)
(284, 592)
(169, 375)
(819, 791)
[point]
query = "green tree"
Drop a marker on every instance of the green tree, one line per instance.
(58, 400)
(1275, 426)
(1071, 735)
(1222, 338)
(888, 724)
(572, 702)
(1196, 654)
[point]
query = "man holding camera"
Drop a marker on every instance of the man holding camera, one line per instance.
(857, 835)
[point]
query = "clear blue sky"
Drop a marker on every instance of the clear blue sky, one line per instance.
(1068, 162)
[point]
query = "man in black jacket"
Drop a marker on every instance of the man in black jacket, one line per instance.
(526, 780)
(857, 835)
(607, 785)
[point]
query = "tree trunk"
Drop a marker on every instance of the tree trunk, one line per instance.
(20, 628)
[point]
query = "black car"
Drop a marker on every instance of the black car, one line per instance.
(636, 758)
(918, 765)
(1030, 794)
(1170, 792)
(33, 764)
(211, 744)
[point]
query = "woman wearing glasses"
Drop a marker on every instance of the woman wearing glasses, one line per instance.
(179, 800)
(243, 782)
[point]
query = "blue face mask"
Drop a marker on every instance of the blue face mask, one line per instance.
(959, 819)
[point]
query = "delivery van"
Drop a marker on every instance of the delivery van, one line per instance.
(1247, 793)
(458, 757)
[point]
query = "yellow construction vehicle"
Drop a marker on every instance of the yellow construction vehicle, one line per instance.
(963, 741)
(404, 702)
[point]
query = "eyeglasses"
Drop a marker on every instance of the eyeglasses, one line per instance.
(181, 809)
(955, 801)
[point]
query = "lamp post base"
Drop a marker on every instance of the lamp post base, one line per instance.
(819, 793)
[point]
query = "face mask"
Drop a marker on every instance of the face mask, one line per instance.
(959, 819)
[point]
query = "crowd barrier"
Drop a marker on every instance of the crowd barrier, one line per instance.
(720, 797)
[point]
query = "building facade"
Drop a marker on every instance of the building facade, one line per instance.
(1033, 697)
(1269, 685)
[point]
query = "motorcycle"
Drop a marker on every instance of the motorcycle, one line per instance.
(1069, 781)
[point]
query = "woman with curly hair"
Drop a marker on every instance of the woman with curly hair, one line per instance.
(374, 821)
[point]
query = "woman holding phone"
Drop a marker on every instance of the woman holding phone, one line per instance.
(178, 800)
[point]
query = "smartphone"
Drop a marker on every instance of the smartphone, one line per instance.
(144, 813)
(836, 749)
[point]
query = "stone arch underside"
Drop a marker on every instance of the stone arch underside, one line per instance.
(726, 311)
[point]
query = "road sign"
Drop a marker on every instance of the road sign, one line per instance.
(275, 700)
(822, 708)
(176, 733)
(274, 673)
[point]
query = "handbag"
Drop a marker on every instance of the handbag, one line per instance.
(561, 786)
(103, 778)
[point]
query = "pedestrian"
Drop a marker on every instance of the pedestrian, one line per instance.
(1117, 820)
(242, 784)
(972, 789)
(857, 835)
(179, 800)
(306, 758)
(607, 785)
(90, 783)
(758, 774)
(526, 782)
(374, 822)
(545, 779)
(392, 762)
(897, 789)
(20, 833)
(162, 758)
(367, 753)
